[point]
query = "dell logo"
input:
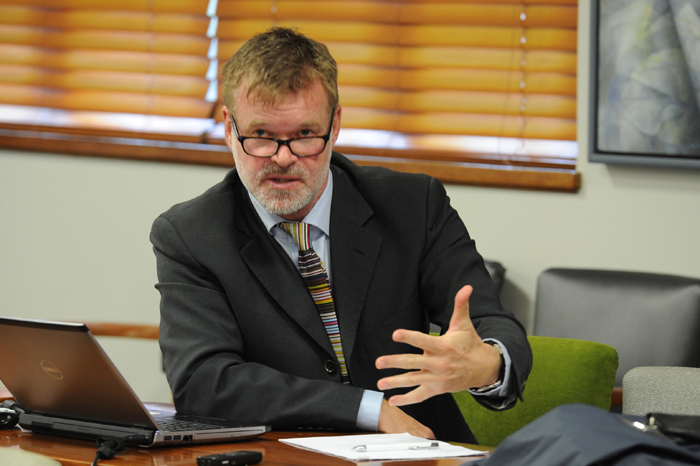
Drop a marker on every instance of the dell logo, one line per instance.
(51, 370)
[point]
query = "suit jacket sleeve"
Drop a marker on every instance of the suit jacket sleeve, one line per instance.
(452, 253)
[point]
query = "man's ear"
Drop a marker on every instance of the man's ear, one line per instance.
(228, 127)
(336, 123)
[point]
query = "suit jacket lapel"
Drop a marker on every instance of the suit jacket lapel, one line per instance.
(274, 269)
(354, 251)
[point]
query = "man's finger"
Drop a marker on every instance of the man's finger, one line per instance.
(392, 420)
(407, 379)
(416, 339)
(460, 316)
(418, 395)
(408, 361)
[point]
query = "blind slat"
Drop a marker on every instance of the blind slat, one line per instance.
(457, 79)
(172, 6)
(524, 2)
(104, 101)
(469, 124)
(456, 101)
(488, 58)
(553, 39)
(487, 14)
(389, 12)
(106, 80)
(111, 20)
(103, 60)
(541, 83)
(442, 35)
(364, 11)
(105, 40)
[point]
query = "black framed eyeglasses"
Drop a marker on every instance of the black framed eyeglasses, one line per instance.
(267, 147)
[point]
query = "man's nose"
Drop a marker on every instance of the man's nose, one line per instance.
(284, 156)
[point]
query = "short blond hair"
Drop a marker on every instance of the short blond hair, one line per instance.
(277, 63)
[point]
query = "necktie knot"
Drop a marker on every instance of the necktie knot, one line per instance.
(300, 233)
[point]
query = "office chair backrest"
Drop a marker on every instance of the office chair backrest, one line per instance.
(650, 319)
(497, 272)
(661, 389)
(564, 371)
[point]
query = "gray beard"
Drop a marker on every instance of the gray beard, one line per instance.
(284, 203)
(281, 202)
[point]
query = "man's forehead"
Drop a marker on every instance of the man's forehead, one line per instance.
(269, 98)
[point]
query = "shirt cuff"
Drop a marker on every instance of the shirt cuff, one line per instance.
(503, 390)
(368, 414)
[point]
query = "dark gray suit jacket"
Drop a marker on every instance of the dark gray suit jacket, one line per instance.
(241, 337)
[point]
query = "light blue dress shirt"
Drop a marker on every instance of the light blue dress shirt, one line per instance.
(319, 218)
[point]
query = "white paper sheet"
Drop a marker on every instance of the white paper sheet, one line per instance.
(344, 447)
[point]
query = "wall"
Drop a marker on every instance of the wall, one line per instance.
(74, 233)
(74, 245)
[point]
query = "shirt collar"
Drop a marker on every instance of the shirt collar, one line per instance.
(319, 216)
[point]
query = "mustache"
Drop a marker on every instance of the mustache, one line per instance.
(295, 171)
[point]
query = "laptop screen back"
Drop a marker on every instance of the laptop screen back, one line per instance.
(60, 369)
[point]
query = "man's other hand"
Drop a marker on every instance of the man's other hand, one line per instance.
(453, 362)
(394, 421)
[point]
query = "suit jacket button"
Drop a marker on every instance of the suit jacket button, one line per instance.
(330, 366)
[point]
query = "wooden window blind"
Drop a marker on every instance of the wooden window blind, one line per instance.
(470, 91)
(108, 64)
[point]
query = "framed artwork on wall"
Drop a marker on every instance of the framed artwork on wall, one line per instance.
(645, 82)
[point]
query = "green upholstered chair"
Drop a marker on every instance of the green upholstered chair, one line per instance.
(564, 371)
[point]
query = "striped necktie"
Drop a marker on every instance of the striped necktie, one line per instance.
(316, 279)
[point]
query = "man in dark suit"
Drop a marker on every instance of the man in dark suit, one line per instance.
(241, 333)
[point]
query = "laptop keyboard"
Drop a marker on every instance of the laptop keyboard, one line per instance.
(174, 425)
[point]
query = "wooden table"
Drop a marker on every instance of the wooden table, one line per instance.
(74, 452)
(70, 452)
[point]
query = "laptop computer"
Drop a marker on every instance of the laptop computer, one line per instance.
(68, 386)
